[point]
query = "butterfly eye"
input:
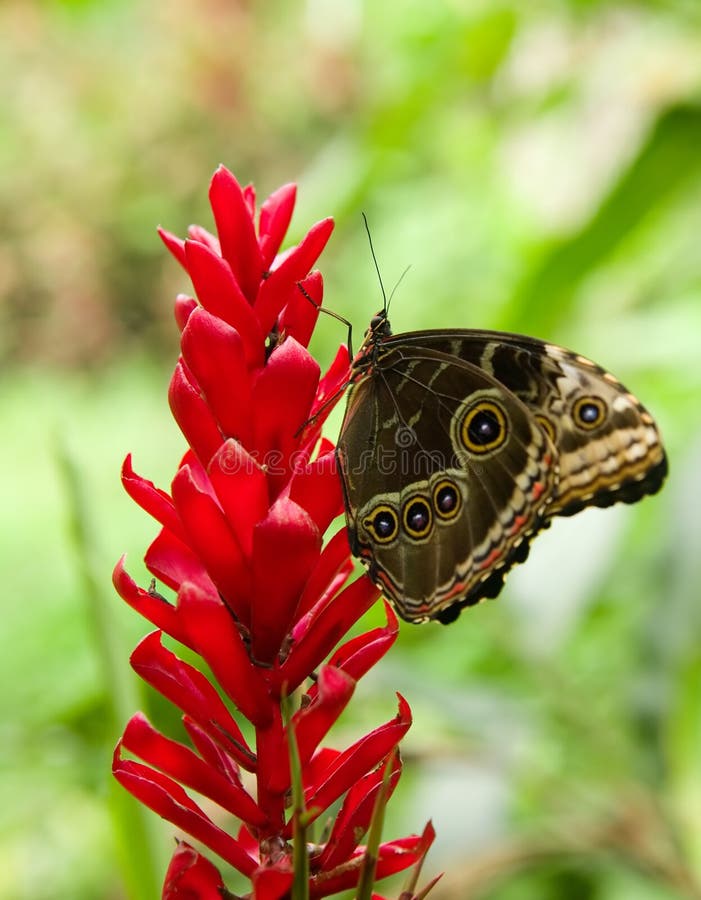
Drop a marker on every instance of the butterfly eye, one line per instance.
(446, 500)
(589, 412)
(418, 517)
(484, 427)
(382, 524)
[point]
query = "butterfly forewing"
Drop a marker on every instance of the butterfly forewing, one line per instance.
(608, 445)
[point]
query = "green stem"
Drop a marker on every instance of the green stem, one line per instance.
(372, 848)
(300, 857)
(135, 832)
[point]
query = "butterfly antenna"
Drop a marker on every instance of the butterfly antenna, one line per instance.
(377, 268)
(401, 278)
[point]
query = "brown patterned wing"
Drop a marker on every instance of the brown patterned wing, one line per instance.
(609, 447)
(447, 476)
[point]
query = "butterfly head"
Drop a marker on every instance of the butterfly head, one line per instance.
(378, 331)
(379, 327)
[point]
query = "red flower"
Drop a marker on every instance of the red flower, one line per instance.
(257, 595)
(192, 877)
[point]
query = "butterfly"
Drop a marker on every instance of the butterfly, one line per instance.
(458, 447)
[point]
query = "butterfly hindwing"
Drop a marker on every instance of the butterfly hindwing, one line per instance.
(446, 476)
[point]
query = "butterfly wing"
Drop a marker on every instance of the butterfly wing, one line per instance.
(446, 476)
(609, 448)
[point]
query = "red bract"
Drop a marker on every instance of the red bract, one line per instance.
(191, 877)
(257, 595)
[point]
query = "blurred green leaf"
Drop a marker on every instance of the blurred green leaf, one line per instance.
(668, 161)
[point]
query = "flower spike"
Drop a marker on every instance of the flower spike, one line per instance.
(245, 581)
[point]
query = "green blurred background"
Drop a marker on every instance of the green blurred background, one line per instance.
(539, 166)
